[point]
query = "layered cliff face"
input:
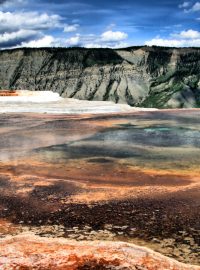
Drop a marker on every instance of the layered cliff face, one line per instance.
(138, 76)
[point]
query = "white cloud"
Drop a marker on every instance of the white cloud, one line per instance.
(18, 36)
(189, 38)
(46, 41)
(73, 41)
(106, 45)
(27, 29)
(12, 3)
(173, 42)
(11, 21)
(71, 28)
(108, 39)
(163, 42)
(194, 8)
(110, 36)
(189, 34)
(17, 28)
(93, 45)
(184, 5)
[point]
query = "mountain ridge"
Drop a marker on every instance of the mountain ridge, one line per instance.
(142, 76)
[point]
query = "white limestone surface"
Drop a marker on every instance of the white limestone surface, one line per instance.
(50, 102)
(24, 96)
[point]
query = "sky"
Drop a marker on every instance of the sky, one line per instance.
(99, 23)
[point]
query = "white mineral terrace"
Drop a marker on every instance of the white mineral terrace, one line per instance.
(50, 102)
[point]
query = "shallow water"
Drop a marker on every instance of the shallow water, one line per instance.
(158, 140)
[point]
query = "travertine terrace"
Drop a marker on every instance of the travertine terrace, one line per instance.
(25, 101)
(29, 252)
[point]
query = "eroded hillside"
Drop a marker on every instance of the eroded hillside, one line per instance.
(139, 76)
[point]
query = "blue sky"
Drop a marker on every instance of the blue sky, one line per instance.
(102, 23)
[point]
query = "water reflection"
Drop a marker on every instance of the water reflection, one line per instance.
(158, 140)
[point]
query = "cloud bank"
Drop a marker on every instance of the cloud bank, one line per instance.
(86, 23)
(189, 38)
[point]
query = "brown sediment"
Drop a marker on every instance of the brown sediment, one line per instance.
(8, 93)
(148, 209)
(8, 228)
(51, 176)
(116, 181)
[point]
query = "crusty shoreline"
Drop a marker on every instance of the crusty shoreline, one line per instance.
(32, 252)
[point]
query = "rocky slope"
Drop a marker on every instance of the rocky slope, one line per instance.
(31, 252)
(139, 76)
